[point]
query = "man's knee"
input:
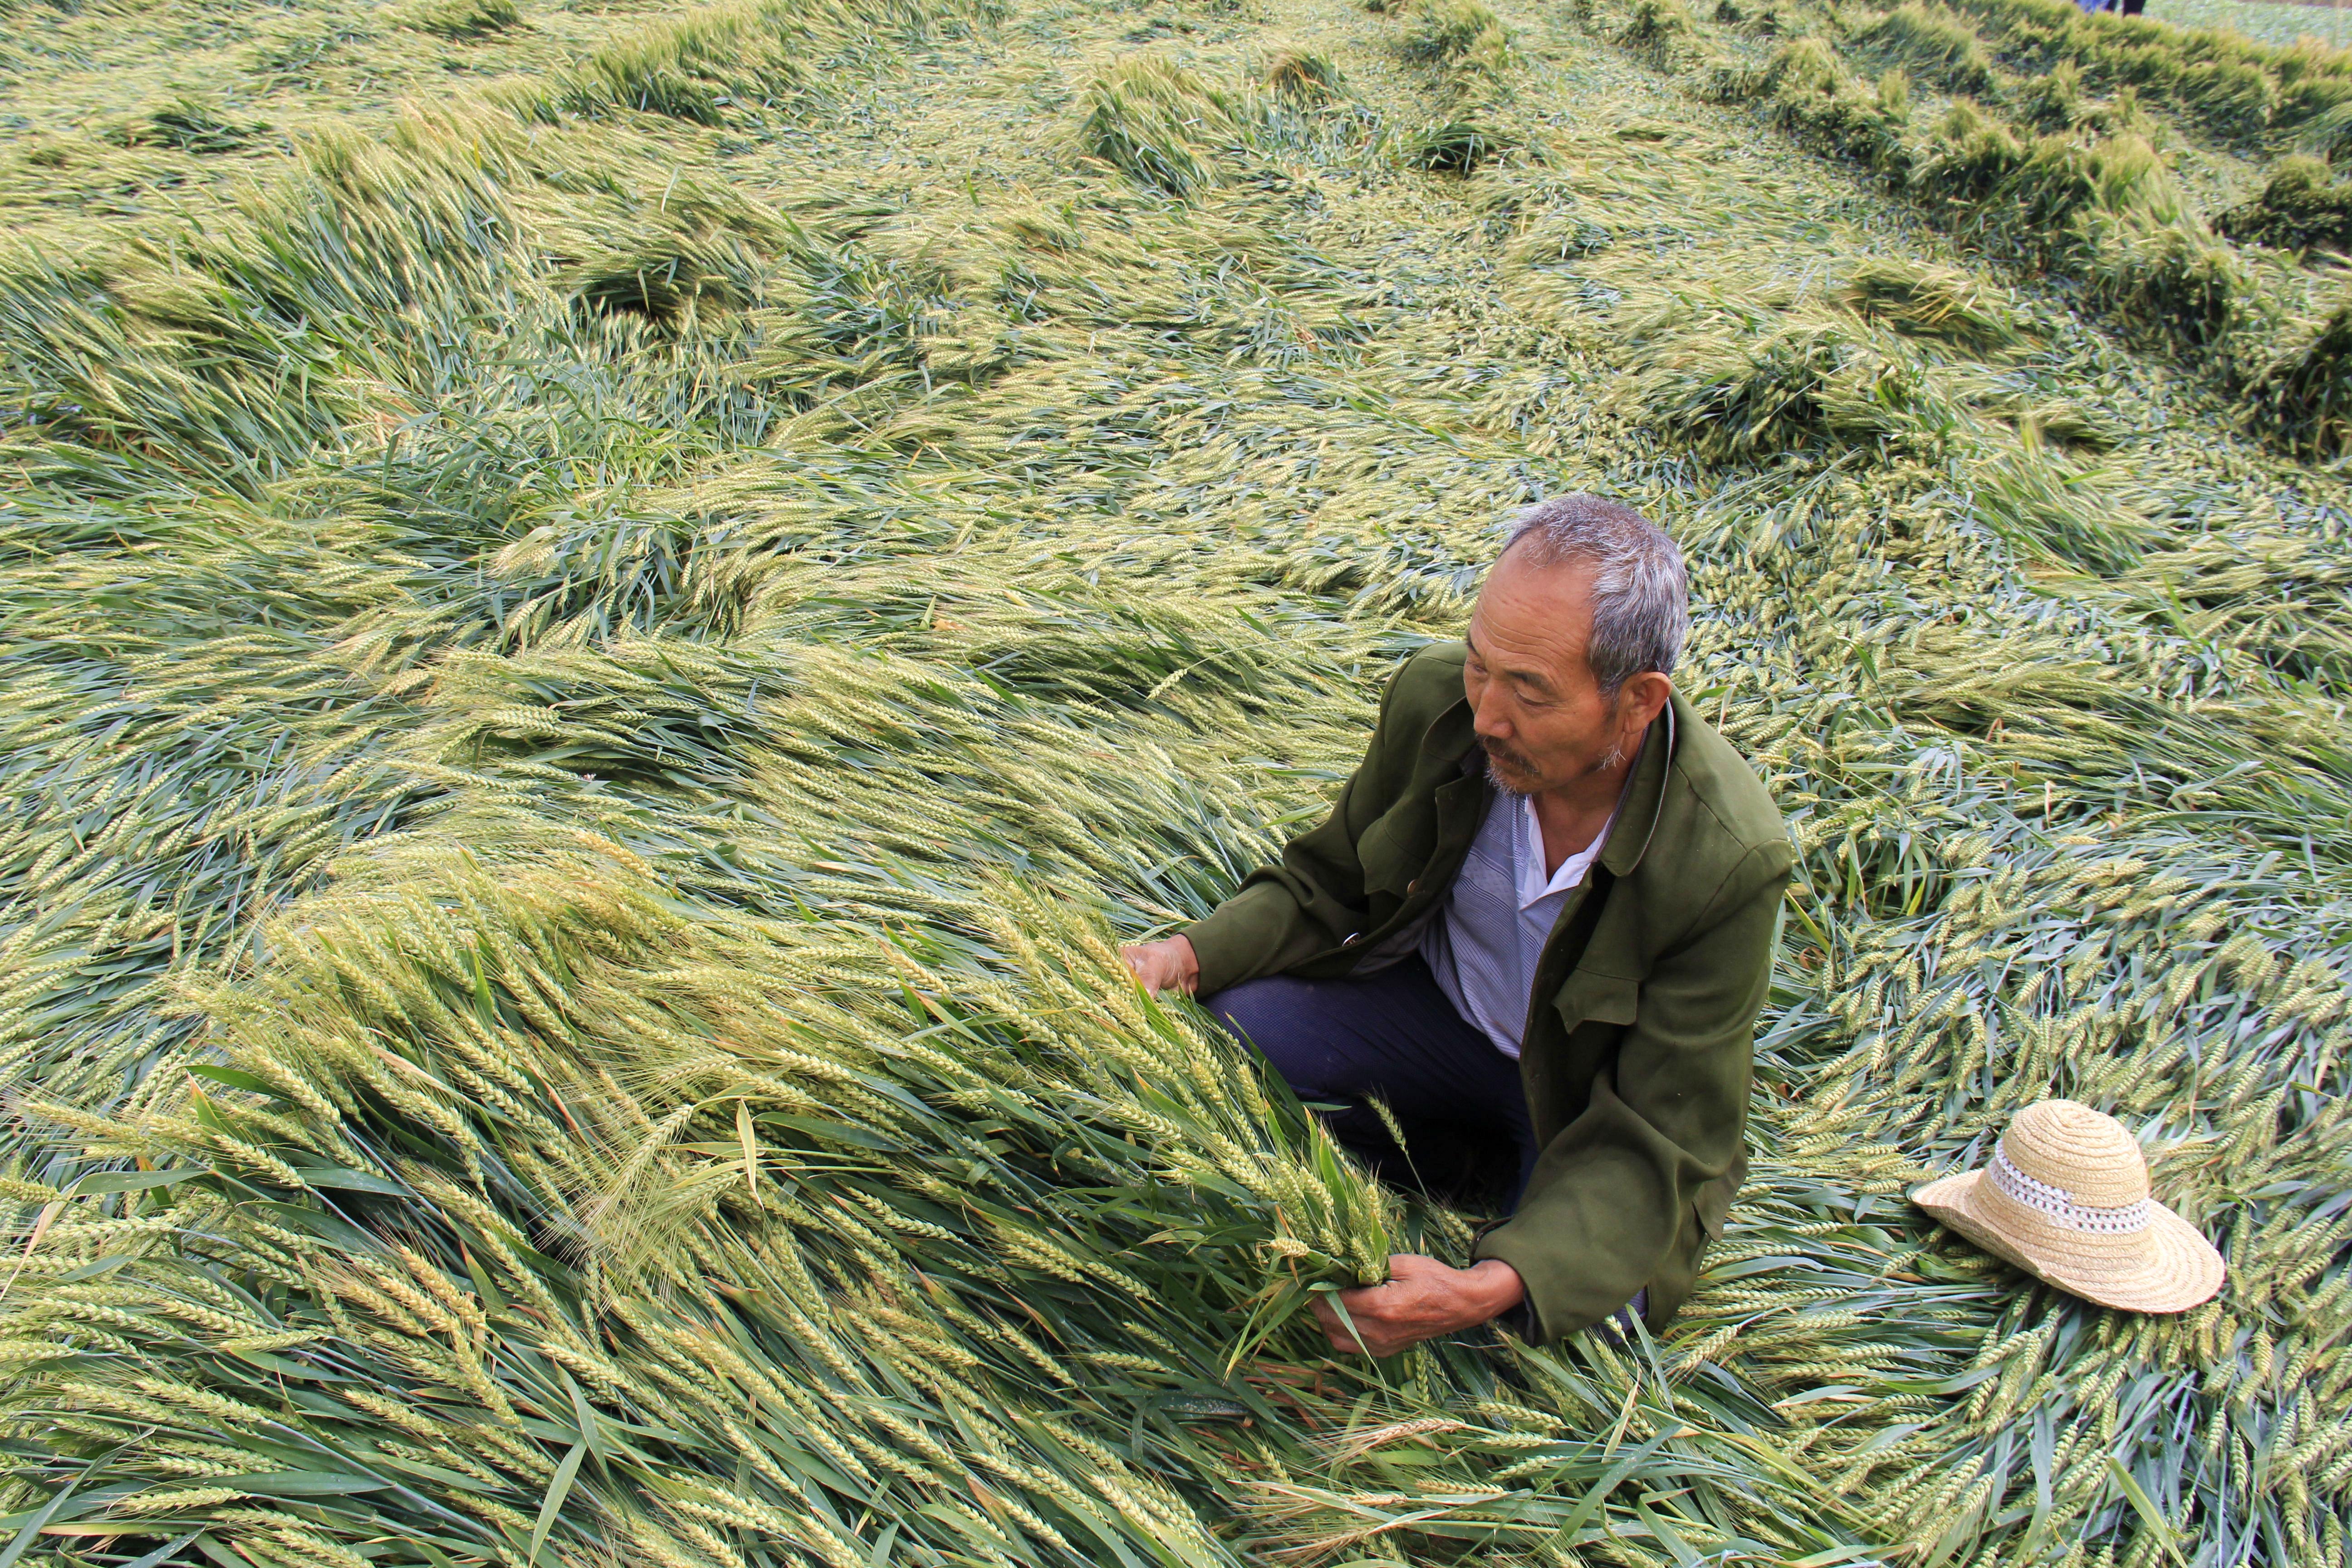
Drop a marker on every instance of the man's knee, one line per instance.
(1274, 1016)
(1254, 1011)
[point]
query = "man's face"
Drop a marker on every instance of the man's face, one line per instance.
(1540, 714)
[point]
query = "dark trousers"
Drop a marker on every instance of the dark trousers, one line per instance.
(1392, 1035)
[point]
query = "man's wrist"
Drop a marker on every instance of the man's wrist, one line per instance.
(1495, 1288)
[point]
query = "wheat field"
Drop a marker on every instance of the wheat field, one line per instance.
(611, 608)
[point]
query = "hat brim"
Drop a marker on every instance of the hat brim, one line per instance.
(2172, 1268)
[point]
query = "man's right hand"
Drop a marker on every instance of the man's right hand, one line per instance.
(1169, 965)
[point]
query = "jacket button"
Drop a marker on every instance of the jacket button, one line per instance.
(1412, 887)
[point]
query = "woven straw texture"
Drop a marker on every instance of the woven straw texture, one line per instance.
(2166, 1266)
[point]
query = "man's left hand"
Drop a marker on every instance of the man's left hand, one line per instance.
(1420, 1299)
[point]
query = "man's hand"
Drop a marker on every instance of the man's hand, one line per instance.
(1422, 1299)
(1169, 965)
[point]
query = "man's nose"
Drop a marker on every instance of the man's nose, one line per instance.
(1488, 718)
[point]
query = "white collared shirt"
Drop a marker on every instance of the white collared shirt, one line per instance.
(1499, 915)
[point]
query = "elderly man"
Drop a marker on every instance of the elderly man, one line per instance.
(1540, 917)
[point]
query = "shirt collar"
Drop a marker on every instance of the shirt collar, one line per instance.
(1535, 886)
(1645, 792)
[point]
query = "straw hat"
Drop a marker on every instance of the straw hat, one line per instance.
(2065, 1198)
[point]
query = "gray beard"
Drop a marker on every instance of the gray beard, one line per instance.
(1502, 787)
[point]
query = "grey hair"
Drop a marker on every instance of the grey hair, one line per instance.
(1641, 593)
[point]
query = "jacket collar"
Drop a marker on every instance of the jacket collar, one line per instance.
(1646, 794)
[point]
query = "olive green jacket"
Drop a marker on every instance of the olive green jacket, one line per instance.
(1641, 1030)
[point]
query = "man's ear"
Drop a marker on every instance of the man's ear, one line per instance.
(1647, 693)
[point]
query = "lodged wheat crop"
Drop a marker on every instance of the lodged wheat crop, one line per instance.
(611, 611)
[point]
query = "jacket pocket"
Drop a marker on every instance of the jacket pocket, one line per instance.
(1394, 849)
(1588, 996)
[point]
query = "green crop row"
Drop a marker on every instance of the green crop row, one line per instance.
(2219, 79)
(2025, 167)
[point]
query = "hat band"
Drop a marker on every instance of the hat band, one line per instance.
(2059, 1203)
